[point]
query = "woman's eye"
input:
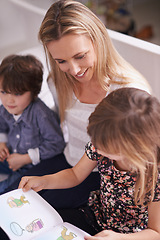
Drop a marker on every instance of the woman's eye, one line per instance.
(61, 61)
(81, 56)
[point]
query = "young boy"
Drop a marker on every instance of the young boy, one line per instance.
(29, 130)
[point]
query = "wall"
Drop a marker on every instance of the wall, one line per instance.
(144, 56)
(19, 28)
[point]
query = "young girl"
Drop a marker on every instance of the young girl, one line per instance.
(29, 130)
(125, 145)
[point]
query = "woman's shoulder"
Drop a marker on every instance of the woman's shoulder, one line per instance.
(118, 84)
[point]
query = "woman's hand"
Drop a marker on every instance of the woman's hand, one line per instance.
(106, 235)
(35, 183)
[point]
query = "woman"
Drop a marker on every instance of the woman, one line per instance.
(85, 67)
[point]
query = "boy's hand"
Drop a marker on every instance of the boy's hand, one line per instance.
(16, 161)
(35, 183)
(4, 152)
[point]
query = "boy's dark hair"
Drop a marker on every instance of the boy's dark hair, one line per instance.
(20, 74)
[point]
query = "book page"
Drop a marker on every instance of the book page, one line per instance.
(65, 231)
(26, 215)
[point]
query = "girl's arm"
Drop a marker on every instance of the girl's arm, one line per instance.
(64, 179)
(151, 233)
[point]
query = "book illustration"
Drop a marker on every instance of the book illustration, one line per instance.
(27, 216)
(64, 235)
(35, 225)
(17, 202)
(16, 229)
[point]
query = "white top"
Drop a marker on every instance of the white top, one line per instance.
(75, 125)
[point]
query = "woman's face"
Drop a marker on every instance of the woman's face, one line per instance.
(74, 55)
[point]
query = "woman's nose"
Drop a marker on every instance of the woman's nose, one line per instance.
(73, 69)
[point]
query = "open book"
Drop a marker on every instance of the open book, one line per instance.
(26, 216)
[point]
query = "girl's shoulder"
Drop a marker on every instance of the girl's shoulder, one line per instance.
(91, 151)
(92, 154)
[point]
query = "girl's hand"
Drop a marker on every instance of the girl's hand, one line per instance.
(4, 152)
(105, 235)
(35, 183)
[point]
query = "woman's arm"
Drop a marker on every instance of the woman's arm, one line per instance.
(151, 233)
(64, 179)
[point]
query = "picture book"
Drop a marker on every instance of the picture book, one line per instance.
(28, 216)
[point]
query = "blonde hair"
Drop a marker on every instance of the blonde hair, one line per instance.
(71, 17)
(127, 122)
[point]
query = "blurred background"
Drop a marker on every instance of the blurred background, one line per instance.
(134, 27)
(138, 18)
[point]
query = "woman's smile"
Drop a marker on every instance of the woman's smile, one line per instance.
(79, 75)
(77, 59)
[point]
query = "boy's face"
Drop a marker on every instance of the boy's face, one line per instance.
(15, 103)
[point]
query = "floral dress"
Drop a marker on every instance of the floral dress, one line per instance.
(113, 205)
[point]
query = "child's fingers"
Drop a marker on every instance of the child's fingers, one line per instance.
(23, 182)
(2, 159)
(7, 152)
(3, 154)
(28, 183)
(90, 238)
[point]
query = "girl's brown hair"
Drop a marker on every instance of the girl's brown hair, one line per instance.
(127, 122)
